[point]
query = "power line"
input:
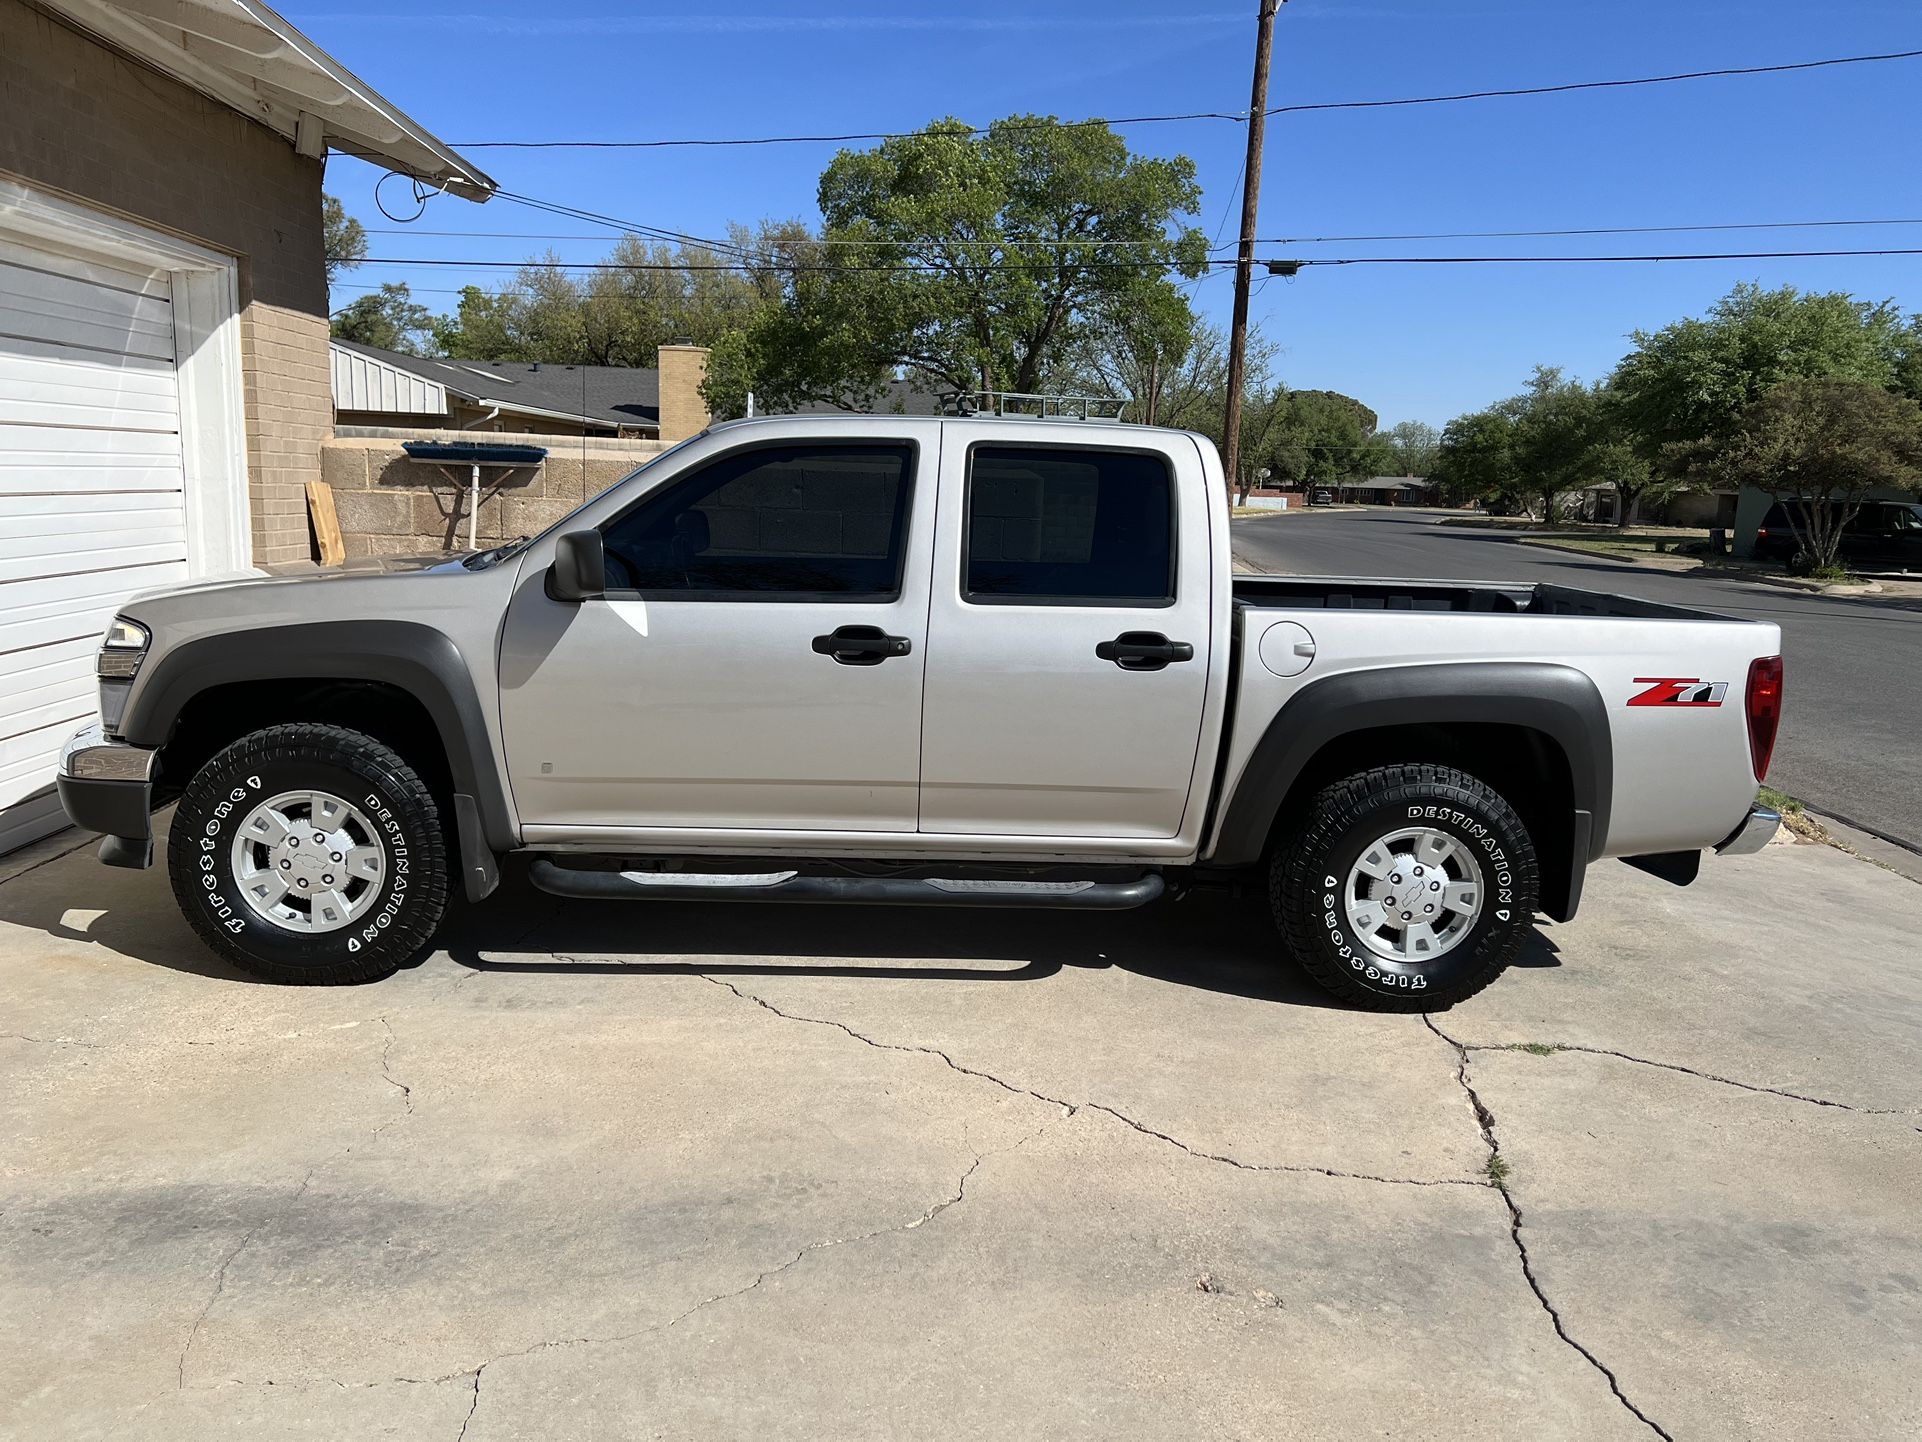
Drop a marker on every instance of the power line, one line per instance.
(1194, 115)
(1218, 245)
(1037, 243)
(629, 227)
(834, 139)
(742, 265)
(1590, 230)
(1219, 263)
(1596, 84)
(1581, 259)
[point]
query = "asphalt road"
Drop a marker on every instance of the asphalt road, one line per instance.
(1851, 739)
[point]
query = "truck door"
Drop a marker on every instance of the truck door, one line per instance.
(1068, 636)
(756, 662)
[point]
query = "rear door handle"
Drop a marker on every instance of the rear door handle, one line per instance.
(861, 645)
(1144, 651)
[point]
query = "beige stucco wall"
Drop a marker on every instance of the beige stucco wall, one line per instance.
(83, 120)
(392, 506)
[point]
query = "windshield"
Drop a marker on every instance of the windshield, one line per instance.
(481, 560)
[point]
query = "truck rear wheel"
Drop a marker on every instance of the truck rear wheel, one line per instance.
(1409, 888)
(311, 855)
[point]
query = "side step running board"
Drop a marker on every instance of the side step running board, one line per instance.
(869, 890)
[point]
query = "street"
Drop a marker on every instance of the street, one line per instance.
(1849, 743)
(719, 1171)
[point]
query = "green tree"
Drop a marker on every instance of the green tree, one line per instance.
(1830, 443)
(969, 262)
(1558, 427)
(1310, 438)
(1477, 460)
(1415, 445)
(388, 318)
(343, 239)
(1693, 381)
(1908, 360)
(621, 316)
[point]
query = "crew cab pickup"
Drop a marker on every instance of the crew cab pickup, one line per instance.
(958, 662)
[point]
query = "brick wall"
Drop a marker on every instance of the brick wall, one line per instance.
(684, 410)
(84, 120)
(392, 506)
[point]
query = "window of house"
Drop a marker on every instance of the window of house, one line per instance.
(1063, 525)
(800, 521)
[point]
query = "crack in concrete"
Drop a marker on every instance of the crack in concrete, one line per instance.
(220, 1276)
(1485, 1121)
(387, 1075)
(1069, 1109)
(473, 1406)
(1180, 1145)
(1694, 1072)
(50, 1040)
(557, 1344)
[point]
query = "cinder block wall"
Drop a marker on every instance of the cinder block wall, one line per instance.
(79, 118)
(390, 505)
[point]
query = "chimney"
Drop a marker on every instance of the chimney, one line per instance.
(684, 410)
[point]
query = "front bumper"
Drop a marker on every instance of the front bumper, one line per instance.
(1753, 834)
(107, 786)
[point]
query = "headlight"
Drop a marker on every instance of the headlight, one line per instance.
(122, 649)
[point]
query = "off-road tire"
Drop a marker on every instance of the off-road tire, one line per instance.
(412, 893)
(1306, 874)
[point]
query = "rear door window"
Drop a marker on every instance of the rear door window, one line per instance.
(1052, 525)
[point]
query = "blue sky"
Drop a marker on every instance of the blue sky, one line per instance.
(1420, 343)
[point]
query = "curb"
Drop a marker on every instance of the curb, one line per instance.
(1651, 562)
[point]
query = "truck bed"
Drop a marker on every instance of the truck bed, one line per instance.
(1360, 593)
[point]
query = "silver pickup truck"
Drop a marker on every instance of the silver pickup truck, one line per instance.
(902, 660)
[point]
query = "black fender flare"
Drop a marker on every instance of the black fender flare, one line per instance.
(417, 659)
(1557, 701)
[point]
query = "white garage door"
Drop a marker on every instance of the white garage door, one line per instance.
(91, 495)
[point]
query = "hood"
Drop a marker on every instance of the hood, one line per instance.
(307, 573)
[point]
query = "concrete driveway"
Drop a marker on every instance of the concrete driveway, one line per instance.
(690, 1171)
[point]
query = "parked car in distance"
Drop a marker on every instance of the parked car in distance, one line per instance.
(1882, 535)
(942, 662)
(1322, 497)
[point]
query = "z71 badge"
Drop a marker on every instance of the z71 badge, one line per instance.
(1678, 691)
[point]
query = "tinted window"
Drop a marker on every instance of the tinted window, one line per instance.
(1069, 525)
(797, 520)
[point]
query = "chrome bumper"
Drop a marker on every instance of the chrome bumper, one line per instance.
(90, 756)
(107, 786)
(1753, 834)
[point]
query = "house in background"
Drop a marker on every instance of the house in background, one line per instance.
(596, 424)
(163, 322)
(1389, 491)
(384, 388)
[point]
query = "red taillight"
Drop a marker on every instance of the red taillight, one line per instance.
(1764, 710)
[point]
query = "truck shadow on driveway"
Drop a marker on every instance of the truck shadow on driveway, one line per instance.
(1211, 942)
(1208, 941)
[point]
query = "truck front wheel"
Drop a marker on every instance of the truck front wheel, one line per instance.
(309, 854)
(1408, 888)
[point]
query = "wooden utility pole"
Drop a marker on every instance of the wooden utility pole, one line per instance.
(1245, 255)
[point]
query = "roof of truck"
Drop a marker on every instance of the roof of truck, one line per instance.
(1012, 423)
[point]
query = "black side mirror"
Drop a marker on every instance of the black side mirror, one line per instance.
(579, 572)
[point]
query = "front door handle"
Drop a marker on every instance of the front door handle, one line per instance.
(1144, 651)
(861, 645)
